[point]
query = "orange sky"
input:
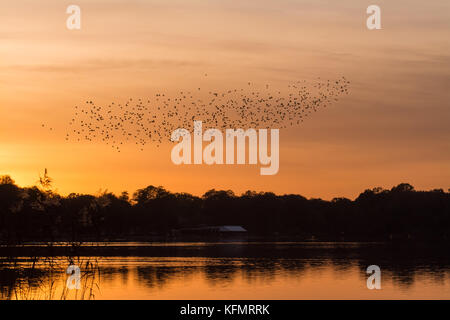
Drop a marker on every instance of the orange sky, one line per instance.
(393, 127)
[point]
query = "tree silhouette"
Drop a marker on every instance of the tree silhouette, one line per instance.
(45, 181)
(36, 214)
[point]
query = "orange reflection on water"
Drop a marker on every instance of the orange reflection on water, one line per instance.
(228, 278)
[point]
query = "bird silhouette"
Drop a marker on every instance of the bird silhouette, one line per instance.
(152, 120)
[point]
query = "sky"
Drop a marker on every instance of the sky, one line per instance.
(393, 127)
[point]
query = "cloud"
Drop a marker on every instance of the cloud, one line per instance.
(103, 64)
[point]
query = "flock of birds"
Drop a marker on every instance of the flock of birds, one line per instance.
(152, 120)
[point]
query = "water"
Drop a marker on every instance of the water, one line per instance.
(229, 270)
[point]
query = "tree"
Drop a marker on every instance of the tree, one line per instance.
(403, 187)
(6, 180)
(45, 181)
(149, 193)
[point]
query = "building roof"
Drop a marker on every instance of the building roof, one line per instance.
(214, 229)
(231, 229)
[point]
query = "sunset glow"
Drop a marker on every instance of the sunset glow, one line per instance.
(393, 126)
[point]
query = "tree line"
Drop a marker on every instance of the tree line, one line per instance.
(39, 214)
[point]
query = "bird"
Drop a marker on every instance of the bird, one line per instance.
(145, 121)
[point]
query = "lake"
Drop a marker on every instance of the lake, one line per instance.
(225, 270)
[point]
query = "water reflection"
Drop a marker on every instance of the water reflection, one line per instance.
(230, 271)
